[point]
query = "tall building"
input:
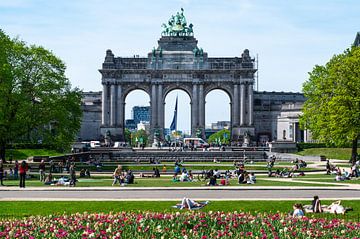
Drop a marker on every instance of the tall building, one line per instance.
(357, 39)
(140, 113)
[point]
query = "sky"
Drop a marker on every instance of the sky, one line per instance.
(289, 38)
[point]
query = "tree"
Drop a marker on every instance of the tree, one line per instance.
(37, 102)
(127, 136)
(220, 137)
(332, 109)
(139, 137)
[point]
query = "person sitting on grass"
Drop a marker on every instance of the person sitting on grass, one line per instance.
(217, 173)
(175, 178)
(251, 179)
(156, 172)
(224, 181)
(82, 173)
(346, 174)
(241, 178)
(87, 173)
(184, 177)
(129, 177)
(316, 205)
(49, 179)
(339, 177)
(190, 176)
(212, 181)
(302, 164)
(298, 210)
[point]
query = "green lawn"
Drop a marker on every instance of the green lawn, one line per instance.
(332, 153)
(162, 182)
(23, 209)
(20, 154)
(170, 168)
(332, 180)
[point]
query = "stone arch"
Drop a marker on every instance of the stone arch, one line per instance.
(184, 108)
(186, 88)
(129, 88)
(222, 111)
(226, 88)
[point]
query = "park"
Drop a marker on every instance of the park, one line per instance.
(282, 165)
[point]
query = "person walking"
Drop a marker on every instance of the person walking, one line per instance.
(1, 172)
(118, 174)
(23, 169)
(42, 171)
(72, 173)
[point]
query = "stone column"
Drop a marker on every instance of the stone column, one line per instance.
(242, 104)
(160, 105)
(236, 104)
(104, 106)
(112, 105)
(154, 111)
(194, 109)
(201, 107)
(120, 107)
(251, 104)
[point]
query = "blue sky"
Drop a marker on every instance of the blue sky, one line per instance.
(290, 37)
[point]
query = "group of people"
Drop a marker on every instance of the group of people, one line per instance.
(316, 207)
(67, 165)
(18, 169)
(286, 172)
(342, 175)
(123, 177)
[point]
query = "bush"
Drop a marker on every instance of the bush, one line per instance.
(29, 146)
(302, 146)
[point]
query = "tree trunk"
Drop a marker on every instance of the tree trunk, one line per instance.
(2, 151)
(354, 151)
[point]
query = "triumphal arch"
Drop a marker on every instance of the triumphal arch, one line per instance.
(178, 63)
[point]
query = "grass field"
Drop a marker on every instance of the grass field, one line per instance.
(170, 168)
(162, 182)
(332, 153)
(23, 209)
(331, 180)
(21, 154)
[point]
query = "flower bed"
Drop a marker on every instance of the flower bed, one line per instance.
(176, 225)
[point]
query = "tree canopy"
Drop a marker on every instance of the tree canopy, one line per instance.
(220, 137)
(332, 109)
(139, 137)
(37, 103)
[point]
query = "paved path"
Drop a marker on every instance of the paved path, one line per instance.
(234, 193)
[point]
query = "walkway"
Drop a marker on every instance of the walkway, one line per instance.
(204, 193)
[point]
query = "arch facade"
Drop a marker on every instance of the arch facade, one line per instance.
(178, 63)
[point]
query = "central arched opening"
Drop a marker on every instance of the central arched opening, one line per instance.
(180, 127)
(137, 118)
(217, 117)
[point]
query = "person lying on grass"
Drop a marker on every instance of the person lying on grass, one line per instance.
(190, 204)
(334, 208)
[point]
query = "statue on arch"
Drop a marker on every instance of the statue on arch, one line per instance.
(177, 26)
(246, 139)
(108, 138)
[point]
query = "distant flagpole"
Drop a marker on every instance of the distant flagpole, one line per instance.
(173, 125)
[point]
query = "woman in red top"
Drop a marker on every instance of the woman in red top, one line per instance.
(22, 170)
